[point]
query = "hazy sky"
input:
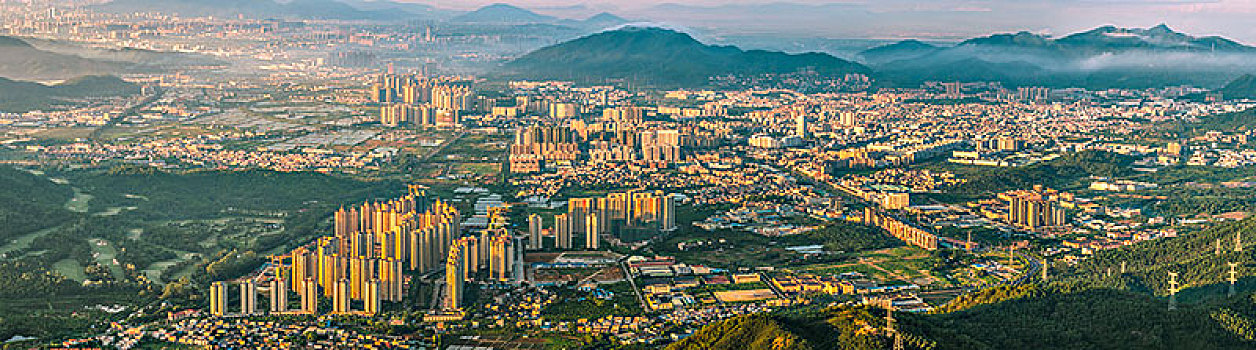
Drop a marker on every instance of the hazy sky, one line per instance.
(1235, 19)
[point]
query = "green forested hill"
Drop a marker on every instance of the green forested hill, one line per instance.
(22, 96)
(833, 328)
(1083, 307)
(748, 332)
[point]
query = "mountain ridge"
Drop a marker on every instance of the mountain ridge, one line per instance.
(661, 56)
(1100, 58)
(503, 13)
(21, 96)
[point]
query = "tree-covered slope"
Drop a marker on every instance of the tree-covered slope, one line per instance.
(29, 202)
(21, 96)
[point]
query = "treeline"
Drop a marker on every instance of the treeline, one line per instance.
(210, 194)
(1057, 173)
(842, 236)
(1224, 122)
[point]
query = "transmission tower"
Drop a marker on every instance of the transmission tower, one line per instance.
(1173, 289)
(889, 322)
(1045, 267)
(1238, 242)
(1122, 267)
(1234, 277)
(1218, 246)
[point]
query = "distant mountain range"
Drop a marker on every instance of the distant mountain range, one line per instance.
(1106, 57)
(45, 60)
(1100, 58)
(503, 13)
(21, 96)
(661, 56)
(21, 60)
(510, 14)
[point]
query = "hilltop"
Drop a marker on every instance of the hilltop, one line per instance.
(503, 13)
(21, 96)
(661, 56)
(21, 60)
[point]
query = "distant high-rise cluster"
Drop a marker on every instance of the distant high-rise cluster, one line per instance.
(1036, 208)
(535, 145)
(352, 59)
(1033, 93)
(589, 219)
(630, 115)
(421, 101)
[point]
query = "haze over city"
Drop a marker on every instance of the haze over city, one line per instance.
(944, 19)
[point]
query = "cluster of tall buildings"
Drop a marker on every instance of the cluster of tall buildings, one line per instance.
(535, 145)
(626, 141)
(421, 101)
(1035, 208)
(495, 249)
(618, 214)
(363, 261)
(630, 115)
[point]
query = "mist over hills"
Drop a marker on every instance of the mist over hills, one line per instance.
(20, 96)
(1100, 58)
(44, 60)
(1105, 57)
(661, 56)
(505, 14)
(1242, 87)
(23, 61)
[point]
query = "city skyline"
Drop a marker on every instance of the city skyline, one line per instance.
(903, 19)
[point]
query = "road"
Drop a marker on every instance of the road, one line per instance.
(633, 283)
(1034, 267)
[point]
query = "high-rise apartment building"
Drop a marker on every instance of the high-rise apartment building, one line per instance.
(562, 231)
(248, 298)
(218, 298)
(278, 295)
(534, 232)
